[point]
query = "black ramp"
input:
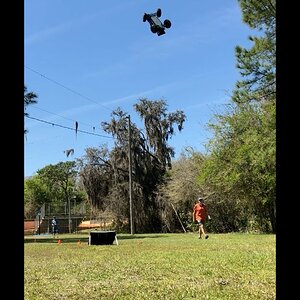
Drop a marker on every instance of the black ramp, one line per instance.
(102, 237)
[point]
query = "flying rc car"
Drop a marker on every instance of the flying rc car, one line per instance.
(156, 25)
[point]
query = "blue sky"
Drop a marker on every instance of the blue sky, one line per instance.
(86, 58)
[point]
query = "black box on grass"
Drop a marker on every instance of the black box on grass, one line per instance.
(98, 237)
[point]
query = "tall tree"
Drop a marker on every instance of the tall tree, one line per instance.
(60, 178)
(242, 164)
(151, 156)
(97, 176)
(35, 194)
(159, 127)
(257, 65)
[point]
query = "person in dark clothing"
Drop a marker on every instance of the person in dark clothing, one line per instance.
(54, 225)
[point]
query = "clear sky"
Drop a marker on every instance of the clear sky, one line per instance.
(86, 58)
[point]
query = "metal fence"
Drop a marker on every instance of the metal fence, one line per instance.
(79, 217)
(76, 209)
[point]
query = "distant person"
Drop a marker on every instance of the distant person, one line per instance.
(199, 216)
(54, 225)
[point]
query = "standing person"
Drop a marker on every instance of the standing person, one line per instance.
(200, 215)
(54, 225)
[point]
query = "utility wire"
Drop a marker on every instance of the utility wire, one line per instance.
(89, 125)
(54, 124)
(71, 90)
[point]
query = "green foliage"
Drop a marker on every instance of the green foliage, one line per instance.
(259, 14)
(29, 98)
(242, 164)
(151, 157)
(35, 194)
(59, 179)
(53, 184)
(258, 64)
(159, 126)
(180, 189)
(96, 175)
(241, 167)
(152, 266)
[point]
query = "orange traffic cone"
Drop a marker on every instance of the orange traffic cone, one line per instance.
(79, 242)
(59, 242)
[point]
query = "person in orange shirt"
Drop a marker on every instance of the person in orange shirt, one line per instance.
(199, 216)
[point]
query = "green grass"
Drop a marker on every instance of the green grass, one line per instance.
(151, 266)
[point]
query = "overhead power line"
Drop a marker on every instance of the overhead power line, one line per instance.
(70, 128)
(49, 112)
(71, 90)
(65, 87)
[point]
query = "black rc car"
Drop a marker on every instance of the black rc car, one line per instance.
(156, 25)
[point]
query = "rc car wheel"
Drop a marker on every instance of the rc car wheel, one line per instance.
(158, 12)
(145, 18)
(167, 23)
(153, 29)
(160, 32)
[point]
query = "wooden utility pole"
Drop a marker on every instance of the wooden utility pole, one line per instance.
(130, 177)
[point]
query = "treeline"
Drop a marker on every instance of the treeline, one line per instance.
(237, 177)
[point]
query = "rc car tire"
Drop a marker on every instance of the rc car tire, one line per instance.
(167, 23)
(153, 29)
(158, 12)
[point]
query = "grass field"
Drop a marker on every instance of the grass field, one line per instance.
(151, 266)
